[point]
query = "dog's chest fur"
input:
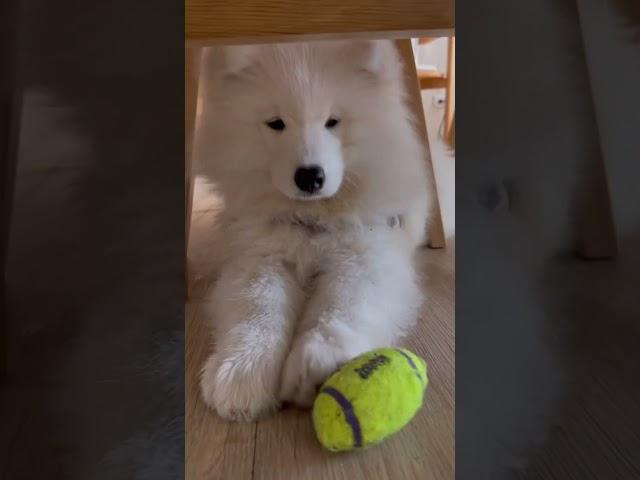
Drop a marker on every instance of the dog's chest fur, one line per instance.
(306, 247)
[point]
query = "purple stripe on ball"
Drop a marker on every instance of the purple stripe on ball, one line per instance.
(413, 365)
(349, 414)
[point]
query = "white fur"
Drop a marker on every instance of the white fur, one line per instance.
(293, 302)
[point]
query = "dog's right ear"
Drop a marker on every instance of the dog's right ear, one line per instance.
(238, 58)
(227, 64)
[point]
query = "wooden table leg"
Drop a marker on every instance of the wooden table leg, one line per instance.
(191, 77)
(436, 237)
(597, 237)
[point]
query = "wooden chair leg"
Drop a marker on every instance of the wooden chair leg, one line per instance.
(596, 226)
(191, 77)
(436, 237)
(450, 91)
(597, 235)
(450, 137)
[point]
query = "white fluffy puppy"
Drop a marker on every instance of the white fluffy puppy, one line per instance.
(326, 200)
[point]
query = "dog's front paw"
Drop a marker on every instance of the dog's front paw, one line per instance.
(311, 361)
(239, 391)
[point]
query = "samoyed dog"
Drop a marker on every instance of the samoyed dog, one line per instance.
(326, 199)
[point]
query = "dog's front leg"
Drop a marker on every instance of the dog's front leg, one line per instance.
(361, 302)
(254, 307)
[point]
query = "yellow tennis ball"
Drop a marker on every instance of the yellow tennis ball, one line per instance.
(371, 397)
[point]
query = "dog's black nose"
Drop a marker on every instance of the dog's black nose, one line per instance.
(309, 179)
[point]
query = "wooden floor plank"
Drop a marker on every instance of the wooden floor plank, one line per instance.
(215, 449)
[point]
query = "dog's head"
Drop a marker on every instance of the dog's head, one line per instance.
(303, 121)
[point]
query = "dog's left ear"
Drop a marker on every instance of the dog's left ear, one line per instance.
(378, 58)
(367, 55)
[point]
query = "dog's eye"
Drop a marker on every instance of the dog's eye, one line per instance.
(276, 124)
(332, 122)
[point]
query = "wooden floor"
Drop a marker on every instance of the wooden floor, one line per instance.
(284, 446)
